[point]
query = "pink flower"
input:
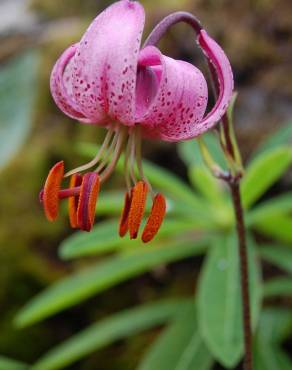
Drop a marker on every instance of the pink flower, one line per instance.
(107, 80)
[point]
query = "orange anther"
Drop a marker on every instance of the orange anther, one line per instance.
(75, 180)
(123, 228)
(87, 201)
(50, 196)
(155, 218)
(139, 196)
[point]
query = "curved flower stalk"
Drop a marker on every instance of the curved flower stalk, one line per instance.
(107, 79)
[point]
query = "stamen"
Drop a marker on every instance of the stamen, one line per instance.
(132, 155)
(155, 218)
(87, 201)
(139, 158)
(108, 153)
(137, 208)
(123, 228)
(76, 180)
(50, 195)
(97, 158)
(126, 165)
(116, 155)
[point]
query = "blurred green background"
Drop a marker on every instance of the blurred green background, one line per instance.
(34, 134)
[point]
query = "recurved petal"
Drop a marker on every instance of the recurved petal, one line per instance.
(61, 85)
(179, 102)
(222, 67)
(106, 62)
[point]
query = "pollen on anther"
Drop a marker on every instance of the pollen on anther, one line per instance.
(51, 190)
(155, 218)
(87, 201)
(75, 180)
(139, 197)
(123, 226)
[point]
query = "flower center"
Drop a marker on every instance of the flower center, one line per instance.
(83, 189)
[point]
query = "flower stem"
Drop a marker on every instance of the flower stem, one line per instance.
(244, 277)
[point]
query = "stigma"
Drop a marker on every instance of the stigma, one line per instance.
(84, 184)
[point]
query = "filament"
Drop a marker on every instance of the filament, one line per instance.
(132, 156)
(97, 158)
(116, 155)
(126, 166)
(108, 153)
(139, 160)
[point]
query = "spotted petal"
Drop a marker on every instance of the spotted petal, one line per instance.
(61, 85)
(179, 101)
(105, 64)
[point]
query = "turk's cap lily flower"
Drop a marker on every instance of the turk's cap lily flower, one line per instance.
(107, 79)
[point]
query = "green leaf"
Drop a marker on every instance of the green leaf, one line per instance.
(103, 275)
(110, 203)
(211, 188)
(190, 153)
(282, 136)
(278, 255)
(275, 325)
(8, 364)
(281, 286)
(268, 357)
(276, 226)
(214, 192)
(104, 238)
(279, 205)
(219, 300)
(179, 347)
(17, 93)
(263, 172)
(109, 330)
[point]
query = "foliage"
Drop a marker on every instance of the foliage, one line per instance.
(16, 79)
(199, 221)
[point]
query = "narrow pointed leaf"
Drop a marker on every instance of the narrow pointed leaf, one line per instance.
(281, 286)
(276, 226)
(211, 188)
(219, 300)
(179, 347)
(9, 364)
(110, 203)
(280, 205)
(103, 275)
(263, 172)
(104, 238)
(278, 255)
(17, 96)
(268, 357)
(282, 136)
(109, 330)
(274, 327)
